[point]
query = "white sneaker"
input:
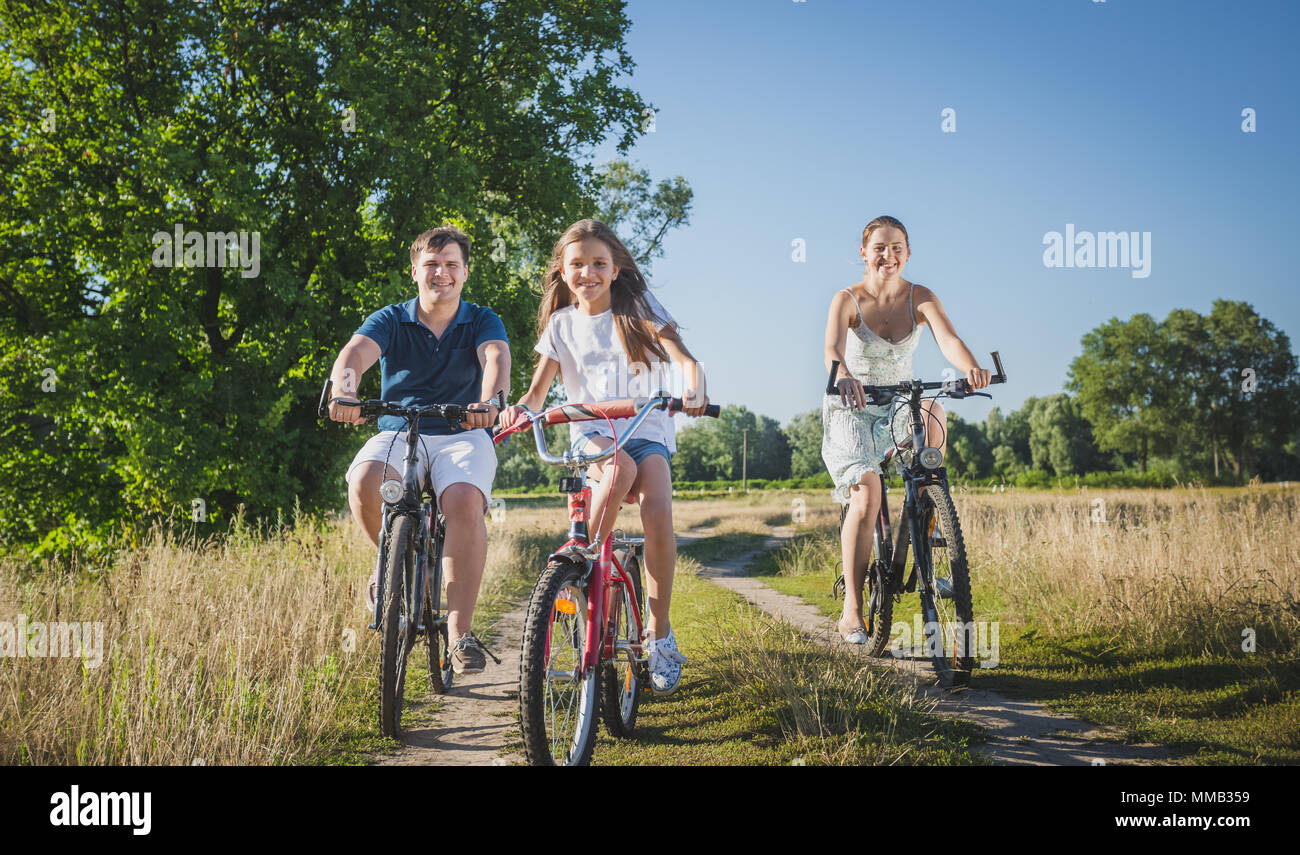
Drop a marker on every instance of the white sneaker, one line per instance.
(666, 663)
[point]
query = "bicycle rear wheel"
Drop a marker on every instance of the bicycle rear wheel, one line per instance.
(398, 623)
(951, 648)
(557, 704)
(621, 681)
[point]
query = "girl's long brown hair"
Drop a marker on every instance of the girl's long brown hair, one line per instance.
(633, 318)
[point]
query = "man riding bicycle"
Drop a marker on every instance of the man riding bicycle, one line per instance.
(435, 348)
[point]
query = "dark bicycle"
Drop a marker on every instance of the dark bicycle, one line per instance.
(928, 523)
(408, 603)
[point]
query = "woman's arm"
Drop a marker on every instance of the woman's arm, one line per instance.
(950, 345)
(837, 332)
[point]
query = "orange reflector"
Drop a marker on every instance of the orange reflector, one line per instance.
(569, 607)
(932, 522)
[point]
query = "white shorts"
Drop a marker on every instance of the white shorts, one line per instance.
(465, 458)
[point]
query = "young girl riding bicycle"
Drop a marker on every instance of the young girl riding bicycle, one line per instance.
(599, 327)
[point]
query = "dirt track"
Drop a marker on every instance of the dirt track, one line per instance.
(478, 716)
(1020, 732)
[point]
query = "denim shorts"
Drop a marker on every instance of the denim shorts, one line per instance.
(639, 449)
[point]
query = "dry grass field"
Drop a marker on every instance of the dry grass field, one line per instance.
(253, 649)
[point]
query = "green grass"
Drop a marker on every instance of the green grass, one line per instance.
(756, 693)
(1207, 708)
(1210, 709)
(721, 546)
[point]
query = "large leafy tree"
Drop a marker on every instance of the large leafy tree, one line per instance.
(640, 212)
(1238, 375)
(969, 453)
(1127, 388)
(804, 433)
(335, 131)
(1060, 438)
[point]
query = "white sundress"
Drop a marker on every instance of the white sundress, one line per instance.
(853, 441)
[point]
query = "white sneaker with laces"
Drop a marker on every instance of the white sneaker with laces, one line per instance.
(666, 663)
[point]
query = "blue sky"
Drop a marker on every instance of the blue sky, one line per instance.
(803, 120)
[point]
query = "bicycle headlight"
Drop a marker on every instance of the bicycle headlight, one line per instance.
(931, 457)
(390, 491)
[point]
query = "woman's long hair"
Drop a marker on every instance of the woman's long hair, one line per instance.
(633, 317)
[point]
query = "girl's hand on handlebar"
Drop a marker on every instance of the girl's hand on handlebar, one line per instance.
(851, 394)
(693, 403)
(509, 416)
(978, 377)
(348, 414)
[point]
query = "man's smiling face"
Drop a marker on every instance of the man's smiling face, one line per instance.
(440, 274)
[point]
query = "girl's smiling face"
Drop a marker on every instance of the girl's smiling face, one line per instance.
(886, 252)
(588, 270)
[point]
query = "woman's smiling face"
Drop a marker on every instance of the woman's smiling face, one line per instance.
(886, 252)
(588, 270)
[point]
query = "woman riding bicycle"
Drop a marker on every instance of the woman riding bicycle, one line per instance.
(865, 335)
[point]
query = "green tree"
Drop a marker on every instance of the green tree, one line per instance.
(639, 212)
(804, 434)
(1237, 373)
(336, 132)
(969, 454)
(1060, 439)
(1126, 388)
(701, 453)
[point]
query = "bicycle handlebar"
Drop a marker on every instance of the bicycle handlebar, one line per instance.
(635, 408)
(374, 407)
(955, 389)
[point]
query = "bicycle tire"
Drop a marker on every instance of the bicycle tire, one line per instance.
(878, 607)
(440, 670)
(952, 658)
(397, 628)
(552, 739)
(621, 683)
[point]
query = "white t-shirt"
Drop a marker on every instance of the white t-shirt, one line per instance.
(595, 367)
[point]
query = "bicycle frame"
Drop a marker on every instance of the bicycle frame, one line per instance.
(410, 504)
(606, 578)
(893, 553)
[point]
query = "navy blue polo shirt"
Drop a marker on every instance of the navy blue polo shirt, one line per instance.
(421, 368)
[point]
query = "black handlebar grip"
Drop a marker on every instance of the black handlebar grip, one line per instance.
(323, 407)
(713, 410)
(830, 381)
(501, 400)
(1001, 376)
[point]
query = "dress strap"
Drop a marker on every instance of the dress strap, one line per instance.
(910, 305)
(849, 291)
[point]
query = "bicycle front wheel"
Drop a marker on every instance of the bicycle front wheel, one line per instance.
(399, 619)
(950, 631)
(558, 705)
(621, 683)
(440, 671)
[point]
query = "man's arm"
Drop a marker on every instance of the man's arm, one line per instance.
(494, 357)
(353, 360)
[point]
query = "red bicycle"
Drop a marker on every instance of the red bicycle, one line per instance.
(582, 635)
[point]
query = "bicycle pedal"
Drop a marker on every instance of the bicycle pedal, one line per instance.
(937, 540)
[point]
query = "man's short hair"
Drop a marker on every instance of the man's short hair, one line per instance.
(435, 239)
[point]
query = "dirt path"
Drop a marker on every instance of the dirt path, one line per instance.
(477, 717)
(1020, 732)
